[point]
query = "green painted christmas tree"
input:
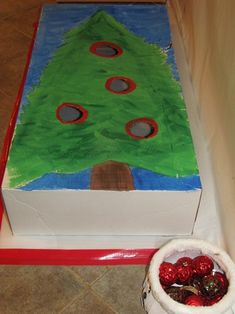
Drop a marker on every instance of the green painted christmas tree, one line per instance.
(42, 144)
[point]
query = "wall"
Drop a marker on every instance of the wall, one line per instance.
(208, 31)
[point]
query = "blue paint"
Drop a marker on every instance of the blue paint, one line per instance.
(148, 180)
(143, 180)
(56, 181)
(147, 21)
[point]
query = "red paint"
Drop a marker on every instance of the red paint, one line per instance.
(11, 127)
(97, 44)
(2, 208)
(131, 84)
(151, 122)
(79, 107)
(76, 257)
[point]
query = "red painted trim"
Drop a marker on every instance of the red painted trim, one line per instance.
(131, 84)
(95, 45)
(2, 208)
(153, 124)
(65, 104)
(11, 127)
(75, 257)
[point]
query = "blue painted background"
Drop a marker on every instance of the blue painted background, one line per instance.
(147, 21)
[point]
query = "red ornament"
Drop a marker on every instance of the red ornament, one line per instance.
(185, 261)
(211, 286)
(194, 300)
(203, 265)
(167, 274)
(223, 280)
(210, 302)
(184, 270)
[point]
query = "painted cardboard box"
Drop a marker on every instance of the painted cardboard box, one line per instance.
(102, 144)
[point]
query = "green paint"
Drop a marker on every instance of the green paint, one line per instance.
(42, 144)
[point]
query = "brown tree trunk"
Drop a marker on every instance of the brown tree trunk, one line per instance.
(113, 176)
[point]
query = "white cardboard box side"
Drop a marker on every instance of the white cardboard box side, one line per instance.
(70, 212)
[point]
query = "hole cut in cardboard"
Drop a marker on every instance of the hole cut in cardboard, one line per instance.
(106, 49)
(120, 85)
(142, 128)
(68, 113)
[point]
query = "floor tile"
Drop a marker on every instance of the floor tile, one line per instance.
(121, 288)
(90, 273)
(17, 20)
(13, 51)
(10, 7)
(37, 289)
(88, 303)
(27, 4)
(6, 107)
(13, 43)
(12, 76)
(7, 276)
